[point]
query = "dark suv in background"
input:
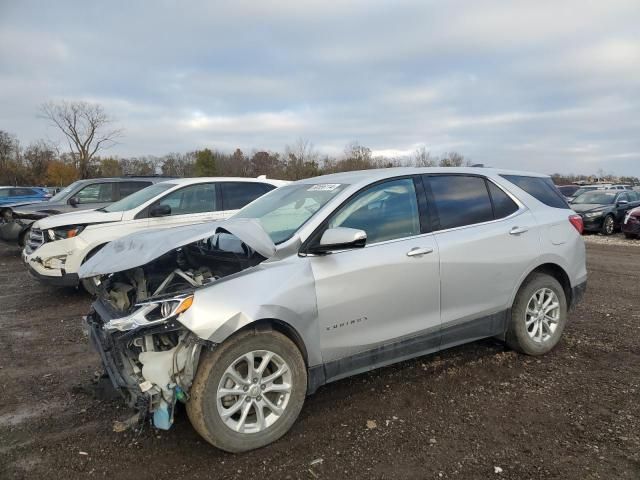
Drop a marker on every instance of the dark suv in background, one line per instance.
(16, 219)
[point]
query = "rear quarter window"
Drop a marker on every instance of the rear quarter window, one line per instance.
(541, 188)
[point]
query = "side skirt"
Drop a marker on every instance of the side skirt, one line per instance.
(430, 342)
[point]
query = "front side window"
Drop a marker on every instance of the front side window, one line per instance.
(386, 211)
(236, 195)
(460, 200)
(284, 210)
(4, 192)
(199, 198)
(96, 193)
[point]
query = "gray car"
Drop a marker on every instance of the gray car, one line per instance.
(325, 278)
(90, 194)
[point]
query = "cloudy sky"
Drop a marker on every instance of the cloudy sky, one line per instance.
(539, 85)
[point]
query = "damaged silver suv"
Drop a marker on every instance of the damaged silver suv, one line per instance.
(326, 278)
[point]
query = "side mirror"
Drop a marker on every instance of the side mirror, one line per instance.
(161, 210)
(340, 238)
(74, 201)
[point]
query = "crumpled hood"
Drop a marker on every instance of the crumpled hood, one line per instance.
(13, 206)
(33, 207)
(588, 207)
(140, 248)
(86, 217)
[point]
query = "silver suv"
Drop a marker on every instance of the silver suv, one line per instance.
(326, 278)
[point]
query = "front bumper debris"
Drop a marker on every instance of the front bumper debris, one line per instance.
(149, 373)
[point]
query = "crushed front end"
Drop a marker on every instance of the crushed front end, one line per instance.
(151, 365)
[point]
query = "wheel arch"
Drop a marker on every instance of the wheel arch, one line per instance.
(280, 326)
(554, 270)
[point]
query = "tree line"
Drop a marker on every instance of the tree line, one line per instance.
(88, 131)
(40, 163)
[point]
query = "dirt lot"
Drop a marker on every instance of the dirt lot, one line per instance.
(477, 411)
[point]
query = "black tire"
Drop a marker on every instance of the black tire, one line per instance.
(22, 239)
(608, 225)
(202, 406)
(518, 338)
(88, 284)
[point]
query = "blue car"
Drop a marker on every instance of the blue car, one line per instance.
(9, 195)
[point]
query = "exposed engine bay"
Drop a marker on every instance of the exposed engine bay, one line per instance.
(181, 270)
(145, 282)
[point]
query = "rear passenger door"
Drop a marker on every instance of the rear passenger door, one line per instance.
(236, 195)
(486, 241)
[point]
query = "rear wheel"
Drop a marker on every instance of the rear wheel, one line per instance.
(248, 392)
(608, 225)
(538, 315)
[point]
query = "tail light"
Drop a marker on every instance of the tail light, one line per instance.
(576, 221)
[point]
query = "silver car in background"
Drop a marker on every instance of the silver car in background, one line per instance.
(326, 278)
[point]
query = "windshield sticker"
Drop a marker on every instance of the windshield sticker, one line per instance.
(323, 187)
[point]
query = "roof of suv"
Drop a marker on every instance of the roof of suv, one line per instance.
(382, 173)
(189, 181)
(150, 178)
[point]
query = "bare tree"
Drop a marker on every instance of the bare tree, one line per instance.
(422, 158)
(86, 126)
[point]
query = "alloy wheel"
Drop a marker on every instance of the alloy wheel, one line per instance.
(254, 391)
(542, 315)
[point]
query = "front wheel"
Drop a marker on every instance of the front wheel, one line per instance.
(538, 315)
(248, 391)
(608, 225)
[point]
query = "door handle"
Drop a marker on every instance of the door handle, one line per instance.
(518, 230)
(417, 251)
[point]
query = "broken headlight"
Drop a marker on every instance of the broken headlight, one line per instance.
(61, 233)
(151, 312)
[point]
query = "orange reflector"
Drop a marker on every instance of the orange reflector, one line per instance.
(184, 306)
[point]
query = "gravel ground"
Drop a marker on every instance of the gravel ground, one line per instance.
(476, 411)
(617, 239)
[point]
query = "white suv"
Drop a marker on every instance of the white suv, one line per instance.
(58, 245)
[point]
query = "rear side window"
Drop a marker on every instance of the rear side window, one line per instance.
(460, 200)
(236, 195)
(127, 188)
(96, 193)
(503, 206)
(542, 189)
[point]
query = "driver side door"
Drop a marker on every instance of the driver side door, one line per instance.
(381, 303)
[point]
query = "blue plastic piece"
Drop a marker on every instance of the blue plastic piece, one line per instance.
(162, 417)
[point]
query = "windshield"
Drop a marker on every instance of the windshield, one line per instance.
(138, 198)
(284, 210)
(65, 192)
(599, 196)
